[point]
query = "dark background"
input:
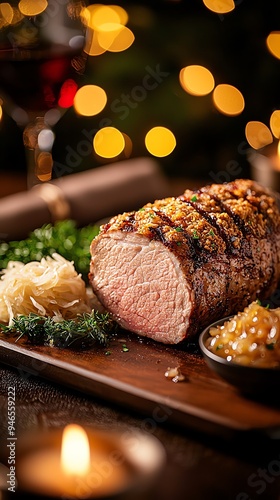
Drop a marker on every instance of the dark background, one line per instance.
(174, 34)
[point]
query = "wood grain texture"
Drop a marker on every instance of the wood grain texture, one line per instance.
(136, 380)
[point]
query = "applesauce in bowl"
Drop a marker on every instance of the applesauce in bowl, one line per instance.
(244, 350)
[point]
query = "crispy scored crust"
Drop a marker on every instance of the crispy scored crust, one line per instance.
(226, 239)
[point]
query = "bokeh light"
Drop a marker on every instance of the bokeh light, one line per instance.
(106, 29)
(196, 80)
(90, 100)
(67, 93)
(32, 7)
(258, 134)
(228, 100)
(46, 139)
(220, 6)
(52, 116)
(275, 123)
(108, 142)
(273, 43)
(6, 14)
(128, 146)
(115, 37)
(44, 165)
(96, 15)
(160, 141)
(92, 46)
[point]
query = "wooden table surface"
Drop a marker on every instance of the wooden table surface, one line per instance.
(199, 465)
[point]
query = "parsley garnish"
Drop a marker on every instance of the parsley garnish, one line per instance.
(211, 232)
(178, 229)
(194, 198)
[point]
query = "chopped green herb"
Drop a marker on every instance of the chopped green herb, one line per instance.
(107, 353)
(141, 209)
(211, 232)
(125, 348)
(152, 215)
(86, 331)
(258, 302)
(220, 346)
(178, 243)
(195, 235)
(194, 198)
(179, 229)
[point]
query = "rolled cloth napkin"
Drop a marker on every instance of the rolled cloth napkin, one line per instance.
(85, 197)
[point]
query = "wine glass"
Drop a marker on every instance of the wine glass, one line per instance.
(41, 58)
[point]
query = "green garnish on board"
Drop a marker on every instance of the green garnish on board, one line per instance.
(195, 235)
(63, 237)
(88, 330)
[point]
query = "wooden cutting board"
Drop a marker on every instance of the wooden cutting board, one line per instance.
(136, 380)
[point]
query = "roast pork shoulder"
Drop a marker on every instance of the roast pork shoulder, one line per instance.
(171, 268)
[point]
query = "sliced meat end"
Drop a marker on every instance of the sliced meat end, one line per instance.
(142, 285)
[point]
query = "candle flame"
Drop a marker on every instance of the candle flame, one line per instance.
(75, 451)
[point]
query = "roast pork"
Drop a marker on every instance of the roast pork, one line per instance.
(176, 265)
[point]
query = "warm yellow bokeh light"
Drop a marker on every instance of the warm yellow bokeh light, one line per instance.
(228, 99)
(90, 100)
(114, 37)
(32, 7)
(121, 12)
(128, 146)
(17, 16)
(258, 134)
(108, 142)
(160, 141)
(1, 113)
(275, 123)
(220, 6)
(96, 15)
(196, 80)
(6, 14)
(44, 165)
(273, 43)
(92, 46)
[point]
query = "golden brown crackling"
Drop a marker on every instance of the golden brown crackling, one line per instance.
(253, 209)
(210, 209)
(176, 222)
(184, 217)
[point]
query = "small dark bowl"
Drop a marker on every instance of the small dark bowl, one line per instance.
(263, 383)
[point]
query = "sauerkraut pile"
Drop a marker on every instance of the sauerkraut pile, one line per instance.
(51, 287)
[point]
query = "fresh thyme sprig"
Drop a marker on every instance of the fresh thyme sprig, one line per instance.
(87, 330)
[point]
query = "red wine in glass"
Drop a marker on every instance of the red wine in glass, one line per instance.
(41, 58)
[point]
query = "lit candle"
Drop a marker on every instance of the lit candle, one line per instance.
(265, 167)
(82, 463)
